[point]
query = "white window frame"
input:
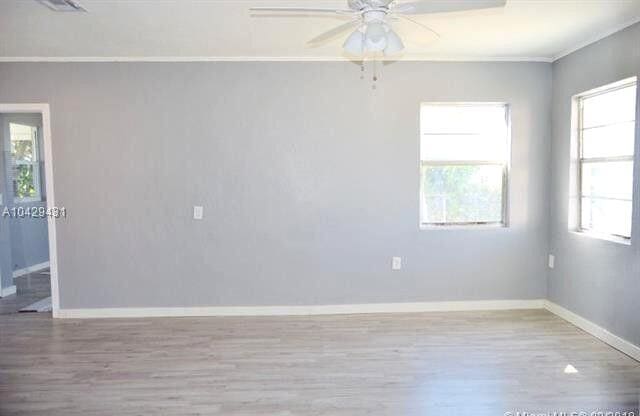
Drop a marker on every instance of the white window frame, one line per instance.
(581, 160)
(36, 168)
(506, 167)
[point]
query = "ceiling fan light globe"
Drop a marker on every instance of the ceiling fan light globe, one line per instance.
(354, 44)
(394, 43)
(371, 46)
(375, 37)
(375, 32)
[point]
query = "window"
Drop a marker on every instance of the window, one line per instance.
(606, 137)
(25, 162)
(464, 154)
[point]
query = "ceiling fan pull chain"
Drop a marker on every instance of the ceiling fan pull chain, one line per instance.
(375, 74)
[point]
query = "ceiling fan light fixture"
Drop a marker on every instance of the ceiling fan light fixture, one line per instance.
(375, 37)
(354, 44)
(394, 43)
(374, 34)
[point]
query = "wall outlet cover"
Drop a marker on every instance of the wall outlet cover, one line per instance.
(396, 263)
(198, 212)
(552, 261)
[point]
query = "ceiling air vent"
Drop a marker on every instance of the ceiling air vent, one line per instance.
(63, 5)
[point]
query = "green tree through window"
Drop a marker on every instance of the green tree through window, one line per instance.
(24, 158)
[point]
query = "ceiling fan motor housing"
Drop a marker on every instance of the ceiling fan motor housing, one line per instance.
(368, 4)
(373, 16)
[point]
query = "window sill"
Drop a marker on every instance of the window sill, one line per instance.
(490, 226)
(602, 237)
(23, 201)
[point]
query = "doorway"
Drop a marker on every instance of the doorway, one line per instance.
(28, 273)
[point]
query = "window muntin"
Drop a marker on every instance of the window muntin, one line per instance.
(25, 162)
(463, 163)
(606, 140)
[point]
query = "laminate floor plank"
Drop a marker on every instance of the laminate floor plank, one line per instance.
(462, 363)
(30, 288)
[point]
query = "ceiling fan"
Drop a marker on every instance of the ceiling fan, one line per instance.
(371, 21)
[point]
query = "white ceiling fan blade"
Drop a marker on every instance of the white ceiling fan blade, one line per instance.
(415, 22)
(298, 10)
(330, 34)
(413, 33)
(445, 6)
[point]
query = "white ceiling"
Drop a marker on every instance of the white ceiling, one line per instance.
(222, 29)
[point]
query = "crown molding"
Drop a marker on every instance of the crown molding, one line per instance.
(261, 59)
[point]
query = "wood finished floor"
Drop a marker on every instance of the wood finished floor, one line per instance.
(31, 288)
(463, 363)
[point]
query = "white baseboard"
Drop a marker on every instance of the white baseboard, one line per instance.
(7, 291)
(597, 331)
(30, 269)
(480, 305)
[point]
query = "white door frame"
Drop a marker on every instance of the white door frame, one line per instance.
(43, 109)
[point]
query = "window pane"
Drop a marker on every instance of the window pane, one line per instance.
(463, 147)
(463, 132)
(22, 142)
(23, 181)
(607, 179)
(462, 194)
(607, 141)
(610, 107)
(607, 131)
(22, 151)
(606, 216)
(20, 131)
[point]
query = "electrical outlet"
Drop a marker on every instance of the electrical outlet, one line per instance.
(396, 263)
(552, 261)
(198, 212)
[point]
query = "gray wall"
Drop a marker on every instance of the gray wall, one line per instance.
(309, 179)
(28, 236)
(597, 279)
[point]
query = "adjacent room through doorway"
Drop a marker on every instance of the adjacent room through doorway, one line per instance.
(24, 253)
